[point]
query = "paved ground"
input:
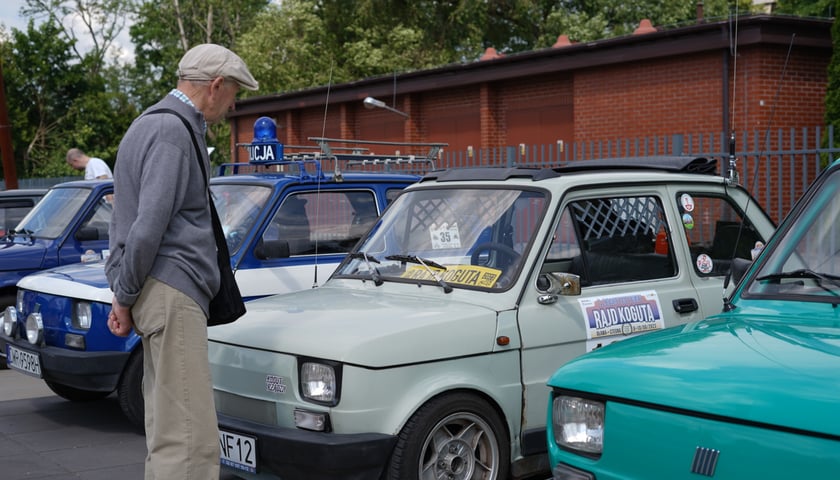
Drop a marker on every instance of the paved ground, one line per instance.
(44, 437)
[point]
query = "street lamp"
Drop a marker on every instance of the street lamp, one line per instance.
(371, 103)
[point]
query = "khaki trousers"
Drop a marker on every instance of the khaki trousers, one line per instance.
(182, 435)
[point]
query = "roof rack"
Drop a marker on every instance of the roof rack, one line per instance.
(267, 151)
(363, 158)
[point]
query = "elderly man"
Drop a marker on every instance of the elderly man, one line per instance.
(93, 167)
(162, 267)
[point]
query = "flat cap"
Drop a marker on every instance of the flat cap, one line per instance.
(208, 61)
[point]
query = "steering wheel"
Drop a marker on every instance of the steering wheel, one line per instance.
(505, 252)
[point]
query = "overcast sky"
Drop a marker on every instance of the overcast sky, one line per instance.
(11, 18)
(9, 14)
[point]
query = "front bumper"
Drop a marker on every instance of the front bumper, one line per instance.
(295, 454)
(91, 371)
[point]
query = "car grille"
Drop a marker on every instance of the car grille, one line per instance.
(233, 405)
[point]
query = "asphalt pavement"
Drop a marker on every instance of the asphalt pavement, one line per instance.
(44, 437)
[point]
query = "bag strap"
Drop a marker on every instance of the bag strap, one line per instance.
(218, 232)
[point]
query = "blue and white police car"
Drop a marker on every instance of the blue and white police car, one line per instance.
(288, 224)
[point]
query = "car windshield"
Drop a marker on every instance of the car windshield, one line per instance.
(806, 261)
(238, 206)
(50, 217)
(452, 237)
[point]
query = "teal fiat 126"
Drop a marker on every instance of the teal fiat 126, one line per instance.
(426, 353)
(753, 392)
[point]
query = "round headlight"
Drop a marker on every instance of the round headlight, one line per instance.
(9, 321)
(34, 328)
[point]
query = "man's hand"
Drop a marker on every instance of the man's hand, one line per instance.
(120, 322)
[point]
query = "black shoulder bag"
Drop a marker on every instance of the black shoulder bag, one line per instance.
(227, 305)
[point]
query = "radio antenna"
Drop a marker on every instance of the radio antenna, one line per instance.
(732, 171)
(318, 191)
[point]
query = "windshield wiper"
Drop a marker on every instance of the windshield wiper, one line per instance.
(374, 272)
(805, 273)
(426, 264)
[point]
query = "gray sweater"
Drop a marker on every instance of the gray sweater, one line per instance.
(161, 221)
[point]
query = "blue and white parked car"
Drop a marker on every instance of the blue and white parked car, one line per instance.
(69, 222)
(288, 226)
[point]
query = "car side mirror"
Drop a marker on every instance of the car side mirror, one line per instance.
(554, 284)
(268, 249)
(737, 269)
(85, 234)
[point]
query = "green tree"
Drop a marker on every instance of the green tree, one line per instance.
(832, 94)
(41, 82)
(166, 29)
(807, 8)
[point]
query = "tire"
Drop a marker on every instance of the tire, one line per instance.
(130, 390)
(456, 437)
(75, 394)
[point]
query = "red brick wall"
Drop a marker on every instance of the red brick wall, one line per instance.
(659, 97)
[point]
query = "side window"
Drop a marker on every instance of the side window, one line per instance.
(322, 222)
(621, 239)
(714, 233)
(100, 219)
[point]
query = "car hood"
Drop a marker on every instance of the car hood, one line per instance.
(85, 281)
(20, 255)
(368, 327)
(754, 368)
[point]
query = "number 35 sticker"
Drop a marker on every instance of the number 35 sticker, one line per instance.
(445, 236)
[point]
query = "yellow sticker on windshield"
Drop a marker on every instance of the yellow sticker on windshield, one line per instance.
(472, 275)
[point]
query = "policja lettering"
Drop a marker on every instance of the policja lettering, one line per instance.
(261, 153)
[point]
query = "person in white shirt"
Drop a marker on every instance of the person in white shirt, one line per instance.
(95, 168)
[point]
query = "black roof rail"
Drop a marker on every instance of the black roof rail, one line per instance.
(670, 163)
(489, 173)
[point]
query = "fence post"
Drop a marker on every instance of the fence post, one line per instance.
(677, 144)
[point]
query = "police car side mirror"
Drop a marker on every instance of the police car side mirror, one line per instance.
(85, 234)
(268, 249)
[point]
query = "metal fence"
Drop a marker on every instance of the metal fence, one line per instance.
(776, 166)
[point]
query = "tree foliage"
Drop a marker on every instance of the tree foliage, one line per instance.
(67, 87)
(832, 94)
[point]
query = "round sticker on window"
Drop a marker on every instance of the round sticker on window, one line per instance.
(704, 263)
(688, 221)
(687, 202)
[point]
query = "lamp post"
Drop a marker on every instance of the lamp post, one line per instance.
(371, 103)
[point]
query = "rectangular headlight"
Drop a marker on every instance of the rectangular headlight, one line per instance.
(318, 382)
(578, 424)
(19, 301)
(82, 317)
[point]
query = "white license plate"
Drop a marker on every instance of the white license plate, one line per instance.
(23, 361)
(238, 451)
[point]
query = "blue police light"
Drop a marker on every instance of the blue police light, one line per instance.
(265, 130)
(265, 147)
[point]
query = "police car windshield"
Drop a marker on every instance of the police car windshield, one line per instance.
(806, 261)
(50, 217)
(470, 237)
(239, 207)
